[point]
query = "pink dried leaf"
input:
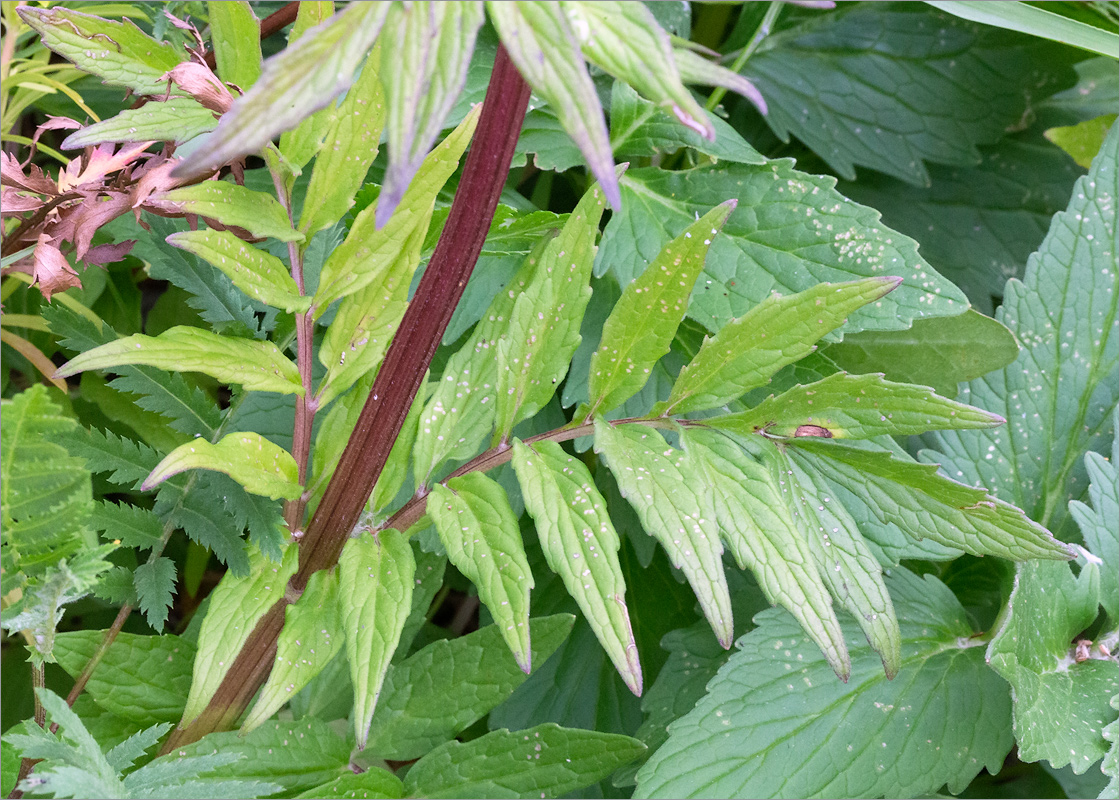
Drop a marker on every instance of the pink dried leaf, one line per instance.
(203, 85)
(103, 254)
(92, 215)
(13, 201)
(12, 174)
(51, 270)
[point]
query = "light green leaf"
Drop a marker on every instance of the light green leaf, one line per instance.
(1101, 525)
(373, 783)
(236, 605)
(117, 52)
(312, 635)
(424, 70)
(368, 252)
(350, 145)
(434, 694)
(642, 128)
(303, 78)
(1060, 394)
(234, 205)
(694, 68)
(626, 40)
(925, 504)
(482, 538)
(255, 365)
(747, 351)
(543, 333)
(300, 144)
(790, 232)
(642, 325)
(1083, 140)
(661, 485)
(844, 406)
(764, 537)
(776, 723)
(1035, 21)
(177, 120)
(544, 760)
(1061, 703)
(580, 545)
(940, 352)
(140, 678)
(235, 33)
(546, 51)
(260, 275)
(374, 595)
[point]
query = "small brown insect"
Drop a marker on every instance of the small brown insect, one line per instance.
(1081, 650)
(813, 430)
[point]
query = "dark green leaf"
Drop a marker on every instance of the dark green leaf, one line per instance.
(155, 589)
(373, 783)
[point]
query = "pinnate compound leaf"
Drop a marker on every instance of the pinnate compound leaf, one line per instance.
(546, 50)
(293, 84)
(764, 537)
(236, 605)
(417, 711)
(543, 333)
(941, 352)
(369, 252)
(234, 205)
(483, 540)
(644, 321)
(123, 461)
(235, 33)
(1060, 704)
(580, 545)
(424, 70)
(117, 52)
(260, 275)
(1060, 395)
(255, 365)
(373, 783)
(776, 723)
(544, 760)
(350, 145)
(178, 120)
(140, 678)
(155, 588)
(312, 635)
(375, 596)
(747, 351)
(626, 40)
(790, 232)
(663, 487)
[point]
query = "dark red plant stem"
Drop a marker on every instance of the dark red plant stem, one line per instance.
(424, 322)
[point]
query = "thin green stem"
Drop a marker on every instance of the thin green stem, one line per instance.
(761, 33)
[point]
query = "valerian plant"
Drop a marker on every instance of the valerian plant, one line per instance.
(683, 400)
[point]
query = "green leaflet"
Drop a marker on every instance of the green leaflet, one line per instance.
(543, 333)
(940, 352)
(546, 50)
(369, 251)
(303, 78)
(626, 40)
(844, 560)
(645, 319)
(642, 128)
(234, 205)
(1060, 704)
(1101, 525)
(482, 538)
(747, 351)
(661, 485)
(763, 536)
(546, 759)
(255, 365)
(844, 406)
(375, 596)
(155, 589)
(140, 678)
(438, 692)
(118, 53)
(776, 723)
(312, 635)
(1060, 394)
(178, 120)
(131, 525)
(925, 504)
(258, 274)
(235, 33)
(374, 782)
(424, 70)
(580, 545)
(236, 605)
(350, 144)
(790, 232)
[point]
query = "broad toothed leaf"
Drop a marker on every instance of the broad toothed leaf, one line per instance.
(1100, 525)
(231, 204)
(580, 545)
(256, 463)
